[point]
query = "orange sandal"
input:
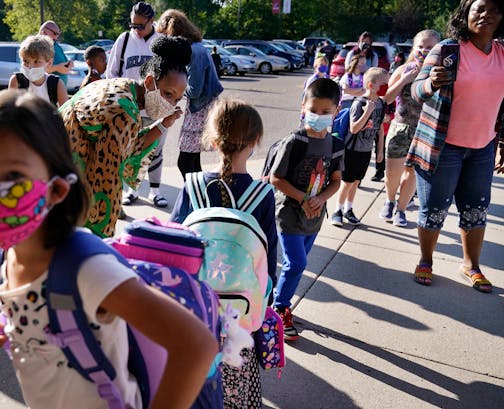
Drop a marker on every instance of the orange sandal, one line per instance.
(477, 279)
(423, 274)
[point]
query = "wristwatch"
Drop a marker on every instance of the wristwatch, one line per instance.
(159, 125)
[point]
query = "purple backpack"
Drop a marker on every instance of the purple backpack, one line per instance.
(69, 328)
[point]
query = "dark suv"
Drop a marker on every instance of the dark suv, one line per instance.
(295, 61)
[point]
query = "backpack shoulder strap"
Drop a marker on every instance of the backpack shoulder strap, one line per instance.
(52, 88)
(253, 195)
(69, 327)
(123, 50)
(195, 183)
(22, 80)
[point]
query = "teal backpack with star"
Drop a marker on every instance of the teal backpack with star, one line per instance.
(235, 260)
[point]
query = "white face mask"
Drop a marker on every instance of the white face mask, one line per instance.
(157, 107)
(33, 74)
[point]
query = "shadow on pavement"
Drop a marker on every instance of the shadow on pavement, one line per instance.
(443, 297)
(8, 382)
(470, 396)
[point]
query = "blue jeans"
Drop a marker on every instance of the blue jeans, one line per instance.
(463, 173)
(295, 249)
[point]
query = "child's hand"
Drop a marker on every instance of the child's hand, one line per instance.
(170, 119)
(379, 157)
(315, 203)
(310, 214)
(408, 75)
(370, 106)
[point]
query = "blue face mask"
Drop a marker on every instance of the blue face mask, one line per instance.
(318, 122)
(322, 69)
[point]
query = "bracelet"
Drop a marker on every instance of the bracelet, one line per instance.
(159, 125)
(304, 199)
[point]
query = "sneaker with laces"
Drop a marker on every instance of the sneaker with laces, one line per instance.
(351, 218)
(290, 331)
(387, 211)
(400, 219)
(337, 218)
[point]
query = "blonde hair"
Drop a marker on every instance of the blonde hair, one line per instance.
(429, 33)
(320, 60)
(231, 126)
(354, 62)
(37, 46)
(374, 75)
(175, 23)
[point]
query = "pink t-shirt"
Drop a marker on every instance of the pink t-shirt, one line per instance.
(477, 96)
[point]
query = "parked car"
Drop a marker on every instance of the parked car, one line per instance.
(76, 76)
(307, 42)
(265, 63)
(238, 64)
(9, 61)
(295, 45)
(404, 48)
(296, 62)
(67, 47)
(100, 42)
(75, 55)
(384, 51)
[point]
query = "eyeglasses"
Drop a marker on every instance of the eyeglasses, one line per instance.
(54, 32)
(139, 27)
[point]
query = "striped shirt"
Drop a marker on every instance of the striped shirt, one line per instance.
(432, 126)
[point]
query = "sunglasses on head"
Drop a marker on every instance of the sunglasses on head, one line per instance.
(137, 26)
(52, 31)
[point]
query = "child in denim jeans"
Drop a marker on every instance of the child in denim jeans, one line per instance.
(304, 184)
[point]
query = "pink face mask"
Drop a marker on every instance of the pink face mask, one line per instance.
(23, 208)
(420, 54)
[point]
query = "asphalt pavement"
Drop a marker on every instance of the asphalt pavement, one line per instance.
(371, 337)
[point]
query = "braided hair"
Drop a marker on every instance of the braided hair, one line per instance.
(231, 126)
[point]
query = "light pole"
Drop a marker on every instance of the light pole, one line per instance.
(41, 2)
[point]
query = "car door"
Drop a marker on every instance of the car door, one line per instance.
(9, 63)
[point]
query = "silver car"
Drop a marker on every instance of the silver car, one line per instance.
(9, 62)
(265, 63)
(238, 64)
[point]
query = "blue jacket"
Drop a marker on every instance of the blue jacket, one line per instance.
(203, 84)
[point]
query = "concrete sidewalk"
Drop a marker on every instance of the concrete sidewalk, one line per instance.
(373, 338)
(370, 336)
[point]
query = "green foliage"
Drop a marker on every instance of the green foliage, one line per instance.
(343, 20)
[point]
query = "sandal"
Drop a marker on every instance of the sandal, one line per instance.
(159, 201)
(423, 274)
(477, 279)
(129, 200)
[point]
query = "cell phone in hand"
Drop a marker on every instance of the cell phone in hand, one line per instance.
(450, 56)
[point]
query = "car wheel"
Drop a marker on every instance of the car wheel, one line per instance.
(232, 69)
(265, 68)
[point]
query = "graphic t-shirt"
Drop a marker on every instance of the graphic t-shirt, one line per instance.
(363, 140)
(311, 173)
(42, 369)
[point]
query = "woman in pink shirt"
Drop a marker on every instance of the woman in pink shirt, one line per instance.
(453, 149)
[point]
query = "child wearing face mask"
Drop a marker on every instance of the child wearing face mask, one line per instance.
(306, 173)
(320, 70)
(36, 54)
(107, 133)
(43, 201)
(366, 125)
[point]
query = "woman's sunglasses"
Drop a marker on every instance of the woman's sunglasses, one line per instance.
(139, 27)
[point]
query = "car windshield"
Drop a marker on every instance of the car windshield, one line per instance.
(223, 51)
(283, 46)
(232, 50)
(75, 56)
(276, 47)
(256, 51)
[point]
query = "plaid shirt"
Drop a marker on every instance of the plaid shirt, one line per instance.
(432, 126)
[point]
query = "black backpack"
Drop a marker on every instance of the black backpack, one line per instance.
(297, 154)
(52, 85)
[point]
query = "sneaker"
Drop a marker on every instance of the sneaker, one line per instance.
(400, 219)
(337, 218)
(411, 203)
(290, 331)
(351, 218)
(158, 200)
(387, 211)
(378, 177)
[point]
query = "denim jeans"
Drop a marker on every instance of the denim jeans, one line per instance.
(463, 173)
(295, 249)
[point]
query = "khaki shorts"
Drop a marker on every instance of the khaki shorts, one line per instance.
(399, 139)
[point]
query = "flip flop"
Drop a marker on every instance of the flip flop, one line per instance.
(129, 200)
(477, 279)
(159, 201)
(423, 274)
